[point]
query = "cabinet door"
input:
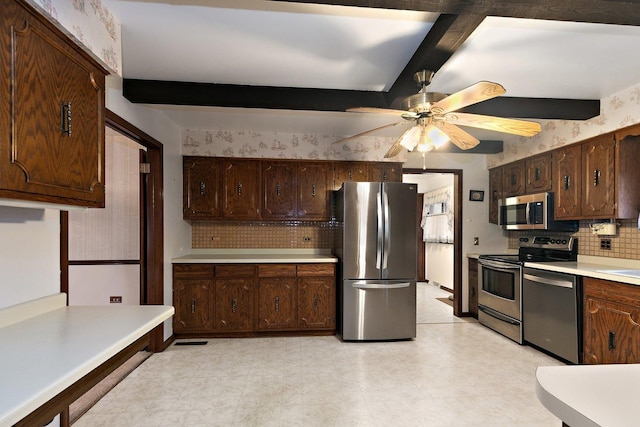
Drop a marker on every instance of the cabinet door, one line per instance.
(538, 170)
(598, 197)
(234, 305)
(52, 115)
(193, 301)
(241, 189)
(201, 183)
(313, 190)
(495, 193)
(567, 182)
(473, 287)
(317, 302)
(277, 303)
(611, 322)
(279, 190)
(513, 179)
(349, 172)
(385, 172)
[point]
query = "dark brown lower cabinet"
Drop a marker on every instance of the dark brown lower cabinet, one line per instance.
(254, 299)
(611, 322)
(473, 287)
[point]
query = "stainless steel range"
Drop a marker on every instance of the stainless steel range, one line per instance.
(500, 294)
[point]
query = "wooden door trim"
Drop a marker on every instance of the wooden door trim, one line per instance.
(154, 232)
(457, 232)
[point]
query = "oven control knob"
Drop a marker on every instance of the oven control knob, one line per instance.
(524, 239)
(564, 242)
(552, 241)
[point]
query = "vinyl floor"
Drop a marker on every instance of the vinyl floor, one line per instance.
(455, 373)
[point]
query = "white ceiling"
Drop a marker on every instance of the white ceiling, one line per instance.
(253, 42)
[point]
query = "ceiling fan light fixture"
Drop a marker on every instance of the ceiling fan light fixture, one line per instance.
(411, 137)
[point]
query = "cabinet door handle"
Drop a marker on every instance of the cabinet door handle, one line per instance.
(612, 340)
(315, 303)
(277, 303)
(350, 175)
(203, 186)
(567, 181)
(239, 189)
(278, 189)
(193, 306)
(234, 305)
(384, 176)
(596, 177)
(65, 118)
(313, 190)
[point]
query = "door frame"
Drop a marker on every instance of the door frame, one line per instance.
(152, 226)
(457, 232)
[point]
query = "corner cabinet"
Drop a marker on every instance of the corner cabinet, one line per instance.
(218, 300)
(52, 106)
(495, 193)
(611, 322)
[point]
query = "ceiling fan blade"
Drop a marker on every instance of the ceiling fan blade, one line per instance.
(369, 131)
(475, 93)
(462, 139)
(498, 124)
(395, 149)
(401, 113)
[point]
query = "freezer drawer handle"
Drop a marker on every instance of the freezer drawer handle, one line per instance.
(364, 285)
(548, 281)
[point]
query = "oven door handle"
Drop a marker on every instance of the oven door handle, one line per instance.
(499, 265)
(498, 315)
(548, 281)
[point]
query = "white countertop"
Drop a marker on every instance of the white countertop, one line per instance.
(54, 346)
(256, 256)
(591, 395)
(589, 266)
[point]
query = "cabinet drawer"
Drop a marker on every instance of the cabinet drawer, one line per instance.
(193, 270)
(236, 270)
(316, 269)
(277, 270)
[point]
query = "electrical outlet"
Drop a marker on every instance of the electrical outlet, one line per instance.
(115, 299)
(605, 244)
(476, 241)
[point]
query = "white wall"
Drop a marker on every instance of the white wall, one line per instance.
(29, 254)
(475, 215)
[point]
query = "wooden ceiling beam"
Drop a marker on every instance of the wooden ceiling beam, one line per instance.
(446, 35)
(621, 12)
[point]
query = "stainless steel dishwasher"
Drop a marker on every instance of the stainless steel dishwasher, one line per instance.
(550, 312)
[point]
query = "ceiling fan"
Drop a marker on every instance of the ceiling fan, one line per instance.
(436, 119)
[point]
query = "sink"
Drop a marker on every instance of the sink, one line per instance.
(630, 273)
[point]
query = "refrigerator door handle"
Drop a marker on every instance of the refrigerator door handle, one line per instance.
(368, 285)
(379, 236)
(387, 234)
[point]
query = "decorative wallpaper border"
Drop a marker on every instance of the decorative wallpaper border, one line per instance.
(91, 24)
(617, 111)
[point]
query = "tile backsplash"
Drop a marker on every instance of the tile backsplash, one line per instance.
(262, 234)
(625, 244)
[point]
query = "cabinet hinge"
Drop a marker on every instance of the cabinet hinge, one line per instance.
(145, 167)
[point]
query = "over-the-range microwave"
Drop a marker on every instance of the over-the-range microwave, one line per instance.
(531, 212)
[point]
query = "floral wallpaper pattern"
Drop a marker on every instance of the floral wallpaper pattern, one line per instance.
(223, 143)
(617, 111)
(92, 25)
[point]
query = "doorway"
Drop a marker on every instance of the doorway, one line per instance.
(455, 266)
(151, 254)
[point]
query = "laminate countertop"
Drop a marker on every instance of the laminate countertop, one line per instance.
(256, 256)
(597, 267)
(47, 347)
(591, 396)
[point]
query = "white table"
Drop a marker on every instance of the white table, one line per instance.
(591, 395)
(51, 352)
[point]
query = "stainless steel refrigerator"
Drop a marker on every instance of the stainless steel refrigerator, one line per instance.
(377, 248)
